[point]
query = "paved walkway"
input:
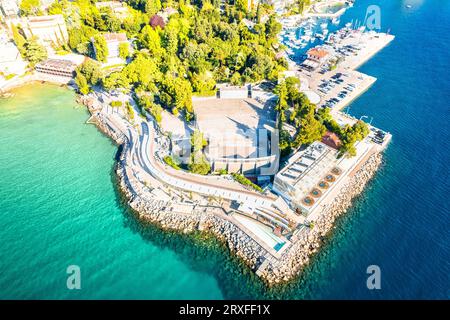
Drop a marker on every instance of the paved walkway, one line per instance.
(144, 144)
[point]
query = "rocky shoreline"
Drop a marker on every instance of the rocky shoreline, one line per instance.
(216, 221)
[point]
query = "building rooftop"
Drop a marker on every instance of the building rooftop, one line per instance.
(156, 21)
(331, 140)
(112, 37)
(232, 125)
(317, 52)
(63, 65)
(51, 18)
(308, 167)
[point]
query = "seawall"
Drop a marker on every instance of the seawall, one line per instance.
(216, 220)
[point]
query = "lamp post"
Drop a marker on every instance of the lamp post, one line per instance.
(348, 109)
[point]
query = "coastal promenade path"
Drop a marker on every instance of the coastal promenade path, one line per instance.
(144, 145)
(211, 186)
(142, 165)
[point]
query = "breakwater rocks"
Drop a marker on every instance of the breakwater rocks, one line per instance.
(215, 220)
(103, 125)
(309, 241)
(186, 218)
(206, 219)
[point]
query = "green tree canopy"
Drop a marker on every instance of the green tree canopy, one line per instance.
(101, 49)
(91, 70)
(34, 52)
(82, 84)
(124, 50)
(30, 7)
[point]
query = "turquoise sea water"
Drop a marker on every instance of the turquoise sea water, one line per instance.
(59, 206)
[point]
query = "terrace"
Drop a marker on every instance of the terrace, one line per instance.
(232, 125)
(306, 174)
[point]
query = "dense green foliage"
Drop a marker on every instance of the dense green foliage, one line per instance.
(88, 75)
(116, 103)
(198, 47)
(82, 84)
(244, 181)
(30, 7)
(298, 6)
(124, 50)
(18, 38)
(100, 47)
(348, 135)
(311, 125)
(146, 103)
(302, 116)
(30, 49)
(34, 52)
(198, 162)
(58, 7)
(130, 111)
(169, 161)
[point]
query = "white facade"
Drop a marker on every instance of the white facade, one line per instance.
(113, 41)
(49, 30)
(305, 172)
(10, 60)
(9, 8)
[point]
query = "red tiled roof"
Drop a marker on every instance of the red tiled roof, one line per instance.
(331, 140)
(115, 37)
(317, 52)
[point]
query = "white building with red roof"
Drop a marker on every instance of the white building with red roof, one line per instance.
(315, 58)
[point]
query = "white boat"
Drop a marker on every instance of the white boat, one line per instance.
(320, 36)
(306, 38)
(335, 20)
(324, 25)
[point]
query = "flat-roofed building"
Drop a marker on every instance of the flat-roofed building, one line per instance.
(11, 61)
(9, 8)
(308, 174)
(241, 134)
(56, 67)
(113, 41)
(50, 30)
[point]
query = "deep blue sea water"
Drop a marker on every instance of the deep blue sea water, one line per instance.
(59, 206)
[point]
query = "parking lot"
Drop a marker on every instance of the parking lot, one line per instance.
(337, 89)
